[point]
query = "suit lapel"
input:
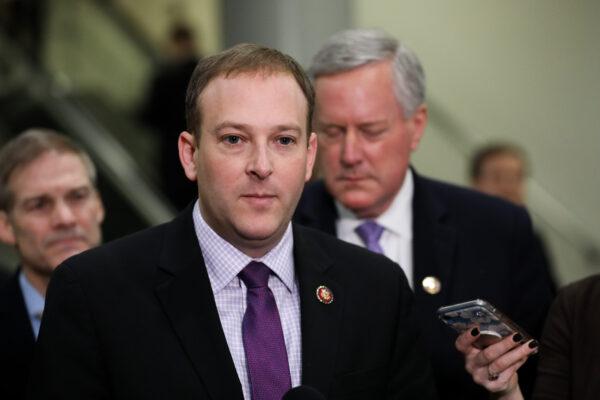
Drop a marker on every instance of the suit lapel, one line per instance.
(321, 323)
(184, 291)
(434, 243)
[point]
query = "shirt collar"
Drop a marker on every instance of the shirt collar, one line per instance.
(397, 218)
(224, 261)
(34, 301)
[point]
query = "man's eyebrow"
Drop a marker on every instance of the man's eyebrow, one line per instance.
(231, 124)
(48, 196)
(247, 128)
(286, 127)
(370, 124)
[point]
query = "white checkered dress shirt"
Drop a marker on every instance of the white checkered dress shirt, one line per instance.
(223, 263)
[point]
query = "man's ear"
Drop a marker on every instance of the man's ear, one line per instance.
(418, 123)
(100, 213)
(187, 149)
(311, 155)
(7, 234)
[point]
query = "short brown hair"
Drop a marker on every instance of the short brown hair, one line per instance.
(27, 147)
(243, 58)
(482, 155)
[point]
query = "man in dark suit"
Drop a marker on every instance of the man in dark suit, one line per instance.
(230, 300)
(49, 210)
(501, 169)
(454, 244)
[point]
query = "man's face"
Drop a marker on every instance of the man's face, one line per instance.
(503, 175)
(252, 159)
(56, 212)
(365, 141)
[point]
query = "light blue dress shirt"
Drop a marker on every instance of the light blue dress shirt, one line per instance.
(34, 302)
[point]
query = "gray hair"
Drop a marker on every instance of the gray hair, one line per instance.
(353, 48)
(27, 147)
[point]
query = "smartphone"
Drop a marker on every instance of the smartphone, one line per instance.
(493, 324)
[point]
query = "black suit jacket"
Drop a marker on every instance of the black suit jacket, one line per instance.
(478, 247)
(136, 319)
(16, 340)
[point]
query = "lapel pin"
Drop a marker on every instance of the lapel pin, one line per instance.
(324, 295)
(431, 285)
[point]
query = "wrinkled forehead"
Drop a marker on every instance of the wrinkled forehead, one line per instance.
(51, 172)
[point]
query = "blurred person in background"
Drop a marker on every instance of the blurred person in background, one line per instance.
(501, 170)
(164, 111)
(49, 211)
(454, 244)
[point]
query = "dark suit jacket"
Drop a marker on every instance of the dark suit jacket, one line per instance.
(478, 247)
(569, 366)
(16, 340)
(136, 319)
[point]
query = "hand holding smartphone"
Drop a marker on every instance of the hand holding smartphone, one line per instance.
(492, 324)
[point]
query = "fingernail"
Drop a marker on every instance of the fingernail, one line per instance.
(533, 344)
(474, 332)
(517, 337)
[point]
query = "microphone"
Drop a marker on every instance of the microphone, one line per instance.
(303, 392)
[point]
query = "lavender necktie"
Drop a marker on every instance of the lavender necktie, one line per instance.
(370, 232)
(264, 345)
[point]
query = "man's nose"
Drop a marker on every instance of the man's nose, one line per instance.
(63, 214)
(260, 164)
(351, 148)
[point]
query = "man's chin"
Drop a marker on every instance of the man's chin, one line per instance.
(356, 201)
(65, 254)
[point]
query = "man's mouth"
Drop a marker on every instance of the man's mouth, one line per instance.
(259, 199)
(351, 178)
(67, 241)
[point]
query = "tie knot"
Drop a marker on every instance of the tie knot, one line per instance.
(255, 275)
(370, 232)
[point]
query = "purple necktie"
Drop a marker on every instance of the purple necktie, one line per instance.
(264, 345)
(370, 232)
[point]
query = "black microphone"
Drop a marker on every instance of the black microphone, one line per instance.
(303, 392)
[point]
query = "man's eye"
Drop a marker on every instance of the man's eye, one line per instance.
(372, 133)
(37, 205)
(232, 139)
(333, 132)
(80, 194)
(286, 140)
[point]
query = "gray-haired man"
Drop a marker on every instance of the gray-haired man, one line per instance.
(453, 244)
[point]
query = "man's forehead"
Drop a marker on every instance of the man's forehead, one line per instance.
(251, 89)
(50, 172)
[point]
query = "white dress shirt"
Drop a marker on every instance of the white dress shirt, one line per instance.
(396, 239)
(223, 263)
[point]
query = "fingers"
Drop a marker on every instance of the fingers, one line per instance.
(493, 352)
(464, 341)
(500, 372)
(495, 367)
(513, 355)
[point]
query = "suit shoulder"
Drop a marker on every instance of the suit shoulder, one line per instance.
(587, 290)
(137, 249)
(351, 256)
(314, 196)
(472, 202)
